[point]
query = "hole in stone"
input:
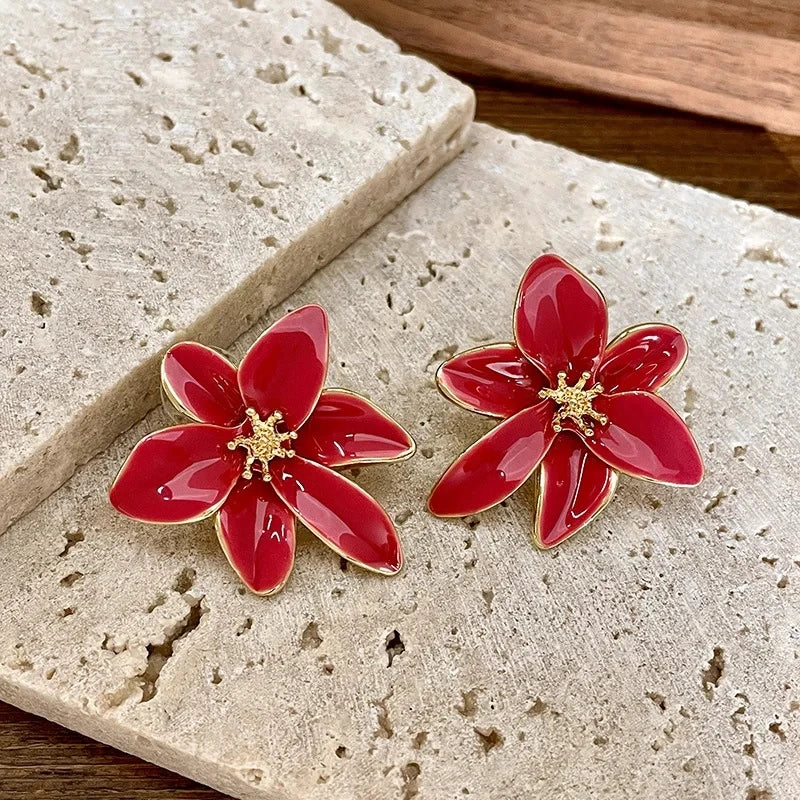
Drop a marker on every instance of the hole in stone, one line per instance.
(410, 774)
(71, 538)
(394, 646)
(188, 156)
(71, 579)
(712, 675)
(184, 581)
(469, 703)
(169, 204)
(51, 182)
(427, 84)
(245, 626)
(40, 306)
(70, 150)
(310, 638)
(273, 73)
(490, 738)
(158, 655)
(775, 727)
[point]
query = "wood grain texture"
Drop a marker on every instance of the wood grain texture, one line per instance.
(733, 159)
(734, 59)
(45, 761)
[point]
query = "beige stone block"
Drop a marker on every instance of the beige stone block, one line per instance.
(654, 655)
(173, 172)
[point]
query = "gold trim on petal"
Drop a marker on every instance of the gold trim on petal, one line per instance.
(626, 332)
(167, 389)
(404, 456)
(223, 545)
(538, 488)
(443, 390)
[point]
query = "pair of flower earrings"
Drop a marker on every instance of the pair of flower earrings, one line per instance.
(266, 438)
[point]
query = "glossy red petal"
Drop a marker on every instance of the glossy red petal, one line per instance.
(646, 438)
(180, 474)
(347, 429)
(202, 384)
(340, 513)
(496, 465)
(642, 358)
(496, 380)
(574, 486)
(560, 319)
(256, 531)
(285, 369)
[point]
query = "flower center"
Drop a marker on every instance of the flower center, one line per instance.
(575, 403)
(264, 444)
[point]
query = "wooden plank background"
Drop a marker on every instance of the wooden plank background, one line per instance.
(41, 760)
(737, 59)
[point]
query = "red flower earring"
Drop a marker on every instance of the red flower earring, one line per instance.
(259, 453)
(575, 408)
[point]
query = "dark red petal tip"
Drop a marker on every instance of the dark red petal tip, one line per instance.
(642, 358)
(496, 465)
(496, 380)
(574, 486)
(180, 474)
(256, 532)
(646, 438)
(202, 384)
(346, 428)
(340, 513)
(285, 368)
(560, 319)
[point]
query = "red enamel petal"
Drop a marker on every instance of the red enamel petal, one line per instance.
(346, 429)
(646, 438)
(202, 384)
(285, 369)
(496, 380)
(340, 513)
(643, 358)
(256, 531)
(574, 486)
(496, 465)
(179, 474)
(560, 320)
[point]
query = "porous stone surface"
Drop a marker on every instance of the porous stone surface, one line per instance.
(171, 173)
(655, 654)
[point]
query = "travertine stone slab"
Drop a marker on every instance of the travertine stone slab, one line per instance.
(171, 171)
(655, 655)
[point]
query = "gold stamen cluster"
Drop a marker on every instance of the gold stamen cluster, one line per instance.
(264, 444)
(575, 402)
